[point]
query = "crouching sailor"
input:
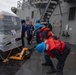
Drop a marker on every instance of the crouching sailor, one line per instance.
(55, 48)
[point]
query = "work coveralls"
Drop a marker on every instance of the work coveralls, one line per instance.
(60, 51)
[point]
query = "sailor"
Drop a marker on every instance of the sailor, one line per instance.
(29, 30)
(55, 48)
(37, 32)
(43, 30)
(45, 33)
(49, 24)
(23, 23)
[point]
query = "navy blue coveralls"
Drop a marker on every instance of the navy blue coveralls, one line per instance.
(23, 35)
(29, 30)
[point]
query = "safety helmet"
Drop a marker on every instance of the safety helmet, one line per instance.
(37, 21)
(41, 47)
(37, 26)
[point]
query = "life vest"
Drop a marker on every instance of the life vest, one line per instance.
(45, 29)
(54, 45)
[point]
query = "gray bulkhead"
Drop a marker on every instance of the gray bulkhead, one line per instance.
(29, 12)
(61, 23)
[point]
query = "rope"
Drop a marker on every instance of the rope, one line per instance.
(6, 59)
(11, 51)
(17, 47)
(9, 54)
(1, 57)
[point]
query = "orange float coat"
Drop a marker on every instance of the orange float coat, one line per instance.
(53, 44)
(45, 29)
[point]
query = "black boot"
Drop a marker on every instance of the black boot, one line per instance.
(45, 64)
(51, 71)
(59, 73)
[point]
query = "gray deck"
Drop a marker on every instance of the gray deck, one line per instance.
(33, 65)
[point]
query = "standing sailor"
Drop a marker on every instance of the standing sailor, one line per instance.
(23, 23)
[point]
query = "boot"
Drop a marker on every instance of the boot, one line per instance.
(45, 64)
(59, 73)
(51, 71)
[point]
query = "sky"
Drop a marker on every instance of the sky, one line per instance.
(5, 5)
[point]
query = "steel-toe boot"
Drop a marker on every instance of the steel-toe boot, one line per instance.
(45, 64)
(50, 71)
(59, 73)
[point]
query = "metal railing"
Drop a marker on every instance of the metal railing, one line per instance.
(45, 10)
(19, 4)
(35, 1)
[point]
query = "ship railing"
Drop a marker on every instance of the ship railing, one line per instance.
(39, 1)
(19, 4)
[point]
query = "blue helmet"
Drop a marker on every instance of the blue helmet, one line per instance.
(37, 26)
(41, 47)
(37, 21)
